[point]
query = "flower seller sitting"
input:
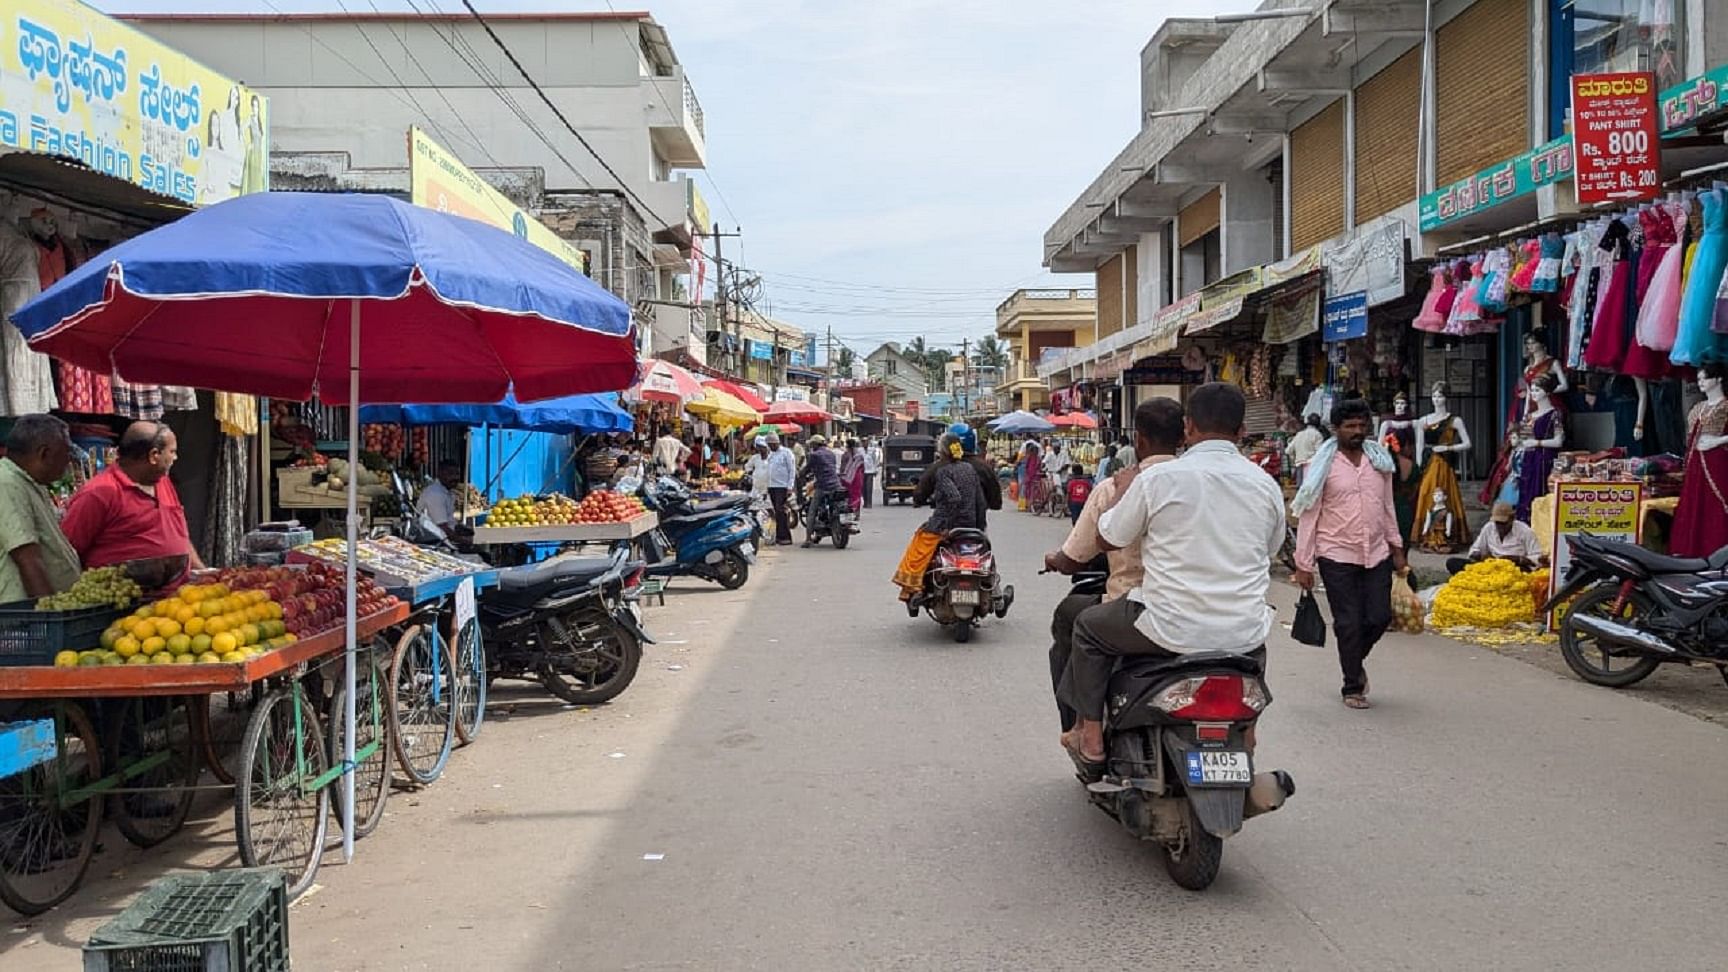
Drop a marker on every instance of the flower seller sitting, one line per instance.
(1503, 537)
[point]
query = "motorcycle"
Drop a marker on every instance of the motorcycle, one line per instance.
(830, 516)
(571, 623)
(961, 584)
(1629, 604)
(712, 541)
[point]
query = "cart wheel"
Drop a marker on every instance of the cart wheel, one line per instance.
(279, 817)
(46, 846)
(152, 745)
(372, 772)
(470, 672)
(220, 722)
(422, 729)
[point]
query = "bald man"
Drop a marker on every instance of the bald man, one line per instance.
(130, 510)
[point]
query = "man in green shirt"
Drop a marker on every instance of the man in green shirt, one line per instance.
(38, 560)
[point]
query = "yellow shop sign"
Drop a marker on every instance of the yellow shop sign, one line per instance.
(438, 180)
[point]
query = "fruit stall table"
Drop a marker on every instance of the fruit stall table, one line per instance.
(57, 774)
(569, 532)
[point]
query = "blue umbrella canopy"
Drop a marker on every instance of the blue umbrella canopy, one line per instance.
(258, 295)
(596, 413)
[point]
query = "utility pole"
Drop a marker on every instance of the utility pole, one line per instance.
(965, 378)
(723, 305)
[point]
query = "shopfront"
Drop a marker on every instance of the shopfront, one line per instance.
(105, 133)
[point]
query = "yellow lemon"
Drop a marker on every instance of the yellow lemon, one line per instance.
(201, 643)
(224, 643)
(216, 590)
(275, 611)
(87, 658)
(179, 644)
(209, 658)
(292, 637)
(144, 611)
(138, 659)
(162, 658)
(195, 626)
(167, 627)
(154, 645)
(216, 626)
(110, 658)
(193, 593)
(234, 657)
(250, 634)
(185, 659)
(126, 647)
(209, 609)
(185, 613)
(110, 636)
(66, 659)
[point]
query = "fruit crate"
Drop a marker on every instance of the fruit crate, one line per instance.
(222, 921)
(32, 637)
(569, 532)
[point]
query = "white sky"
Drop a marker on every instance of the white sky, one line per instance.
(893, 163)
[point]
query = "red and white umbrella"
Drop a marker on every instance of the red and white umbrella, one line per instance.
(664, 381)
(801, 413)
(739, 392)
(1074, 420)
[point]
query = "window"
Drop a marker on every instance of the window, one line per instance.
(1597, 36)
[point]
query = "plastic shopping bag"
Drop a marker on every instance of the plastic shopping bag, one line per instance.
(1407, 611)
(1309, 627)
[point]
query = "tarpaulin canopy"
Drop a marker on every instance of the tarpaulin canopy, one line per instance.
(1020, 421)
(1074, 420)
(596, 413)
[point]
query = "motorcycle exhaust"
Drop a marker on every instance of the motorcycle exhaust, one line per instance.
(1615, 633)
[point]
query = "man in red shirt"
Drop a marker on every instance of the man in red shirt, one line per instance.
(130, 510)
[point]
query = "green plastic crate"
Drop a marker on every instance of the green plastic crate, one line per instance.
(223, 921)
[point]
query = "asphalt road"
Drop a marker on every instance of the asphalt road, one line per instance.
(804, 778)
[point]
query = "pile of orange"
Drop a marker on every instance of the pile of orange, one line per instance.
(200, 624)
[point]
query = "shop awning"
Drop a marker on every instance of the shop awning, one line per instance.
(76, 185)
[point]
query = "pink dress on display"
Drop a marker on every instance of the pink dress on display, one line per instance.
(1530, 256)
(1466, 311)
(1438, 304)
(1659, 307)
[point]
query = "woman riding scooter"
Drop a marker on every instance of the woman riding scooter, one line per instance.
(956, 501)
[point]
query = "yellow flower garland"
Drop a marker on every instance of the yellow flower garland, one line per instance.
(1487, 594)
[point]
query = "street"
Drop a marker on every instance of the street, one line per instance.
(802, 777)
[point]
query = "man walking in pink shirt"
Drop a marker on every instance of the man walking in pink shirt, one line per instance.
(1348, 534)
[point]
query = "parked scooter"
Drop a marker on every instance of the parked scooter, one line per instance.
(714, 544)
(571, 623)
(1632, 610)
(961, 585)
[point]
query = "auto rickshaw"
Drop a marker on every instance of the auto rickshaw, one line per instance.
(904, 459)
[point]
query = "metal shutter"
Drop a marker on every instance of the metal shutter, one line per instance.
(1110, 296)
(1387, 108)
(1482, 86)
(1317, 178)
(1131, 286)
(1198, 218)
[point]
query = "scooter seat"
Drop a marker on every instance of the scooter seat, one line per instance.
(565, 570)
(1142, 667)
(735, 502)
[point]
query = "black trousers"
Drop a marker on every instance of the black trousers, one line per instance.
(1061, 648)
(1456, 564)
(782, 526)
(1103, 634)
(1361, 602)
(869, 488)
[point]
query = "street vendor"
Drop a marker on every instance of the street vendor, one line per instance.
(437, 501)
(1503, 537)
(130, 510)
(38, 561)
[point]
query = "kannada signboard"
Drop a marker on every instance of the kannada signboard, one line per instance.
(1617, 151)
(1523, 174)
(1685, 103)
(1346, 317)
(1606, 510)
(438, 180)
(74, 83)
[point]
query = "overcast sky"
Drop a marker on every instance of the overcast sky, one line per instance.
(893, 163)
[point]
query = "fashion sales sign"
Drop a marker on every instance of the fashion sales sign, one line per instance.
(1617, 154)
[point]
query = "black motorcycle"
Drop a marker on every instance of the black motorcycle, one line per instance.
(571, 623)
(830, 515)
(1631, 610)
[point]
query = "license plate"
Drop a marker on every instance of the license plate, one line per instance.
(748, 550)
(963, 597)
(1216, 766)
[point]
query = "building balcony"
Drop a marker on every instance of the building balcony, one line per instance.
(678, 211)
(675, 120)
(1073, 310)
(1019, 376)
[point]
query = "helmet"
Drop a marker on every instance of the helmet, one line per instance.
(968, 439)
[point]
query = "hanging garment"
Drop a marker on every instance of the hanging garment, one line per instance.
(1466, 311)
(141, 402)
(1438, 304)
(1551, 250)
(1495, 266)
(237, 414)
(1608, 330)
(81, 391)
(1581, 307)
(1701, 519)
(1660, 238)
(1529, 257)
(1659, 302)
(179, 398)
(28, 384)
(1694, 342)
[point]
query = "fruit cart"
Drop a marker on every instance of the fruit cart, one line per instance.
(569, 532)
(58, 776)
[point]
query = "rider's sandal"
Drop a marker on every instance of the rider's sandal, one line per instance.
(1356, 702)
(1088, 771)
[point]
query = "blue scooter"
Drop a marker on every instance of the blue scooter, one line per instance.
(714, 541)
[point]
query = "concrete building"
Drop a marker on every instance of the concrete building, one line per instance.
(345, 87)
(1034, 322)
(902, 376)
(1347, 142)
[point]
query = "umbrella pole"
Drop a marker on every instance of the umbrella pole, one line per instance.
(351, 621)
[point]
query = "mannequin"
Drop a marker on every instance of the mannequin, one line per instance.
(1701, 520)
(27, 382)
(1398, 435)
(1440, 438)
(1401, 423)
(1538, 441)
(1538, 362)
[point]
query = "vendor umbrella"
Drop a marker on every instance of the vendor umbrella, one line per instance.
(1074, 420)
(721, 409)
(353, 297)
(739, 392)
(781, 428)
(800, 413)
(664, 381)
(1015, 423)
(597, 413)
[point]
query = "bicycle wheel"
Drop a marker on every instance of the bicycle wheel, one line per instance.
(220, 722)
(46, 845)
(372, 772)
(279, 817)
(422, 726)
(152, 745)
(469, 669)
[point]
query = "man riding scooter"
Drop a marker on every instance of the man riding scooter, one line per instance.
(1158, 424)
